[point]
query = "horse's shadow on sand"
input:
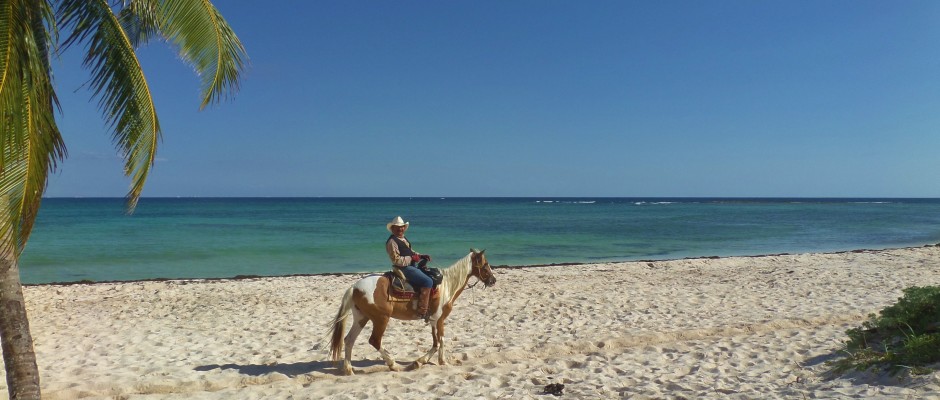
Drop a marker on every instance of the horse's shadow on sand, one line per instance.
(291, 370)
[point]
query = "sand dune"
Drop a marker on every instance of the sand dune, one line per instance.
(740, 327)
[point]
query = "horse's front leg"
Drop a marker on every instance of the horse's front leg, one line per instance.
(434, 346)
(440, 341)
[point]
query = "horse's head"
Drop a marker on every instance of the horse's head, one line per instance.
(481, 268)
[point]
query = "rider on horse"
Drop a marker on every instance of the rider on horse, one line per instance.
(409, 262)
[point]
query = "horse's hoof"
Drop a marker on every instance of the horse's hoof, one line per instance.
(394, 367)
(348, 372)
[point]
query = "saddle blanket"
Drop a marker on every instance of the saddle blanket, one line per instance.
(400, 290)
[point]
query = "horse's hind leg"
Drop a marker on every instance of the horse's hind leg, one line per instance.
(378, 329)
(359, 322)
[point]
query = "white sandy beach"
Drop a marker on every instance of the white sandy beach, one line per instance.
(740, 327)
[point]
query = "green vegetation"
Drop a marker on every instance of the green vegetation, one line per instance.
(31, 144)
(906, 336)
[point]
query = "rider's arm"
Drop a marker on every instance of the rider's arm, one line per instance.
(397, 259)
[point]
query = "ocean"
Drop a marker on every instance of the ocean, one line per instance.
(79, 239)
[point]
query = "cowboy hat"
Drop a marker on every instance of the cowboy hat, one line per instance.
(397, 221)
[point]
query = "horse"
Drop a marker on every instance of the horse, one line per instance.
(367, 300)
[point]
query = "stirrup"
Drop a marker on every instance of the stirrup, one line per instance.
(426, 316)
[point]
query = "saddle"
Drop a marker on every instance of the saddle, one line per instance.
(400, 290)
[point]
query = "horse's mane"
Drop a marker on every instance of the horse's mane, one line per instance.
(455, 276)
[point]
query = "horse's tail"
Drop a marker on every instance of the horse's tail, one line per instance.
(339, 325)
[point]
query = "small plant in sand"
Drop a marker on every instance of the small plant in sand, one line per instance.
(905, 336)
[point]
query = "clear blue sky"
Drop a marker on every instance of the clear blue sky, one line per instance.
(542, 98)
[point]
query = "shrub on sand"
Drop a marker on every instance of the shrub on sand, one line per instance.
(905, 336)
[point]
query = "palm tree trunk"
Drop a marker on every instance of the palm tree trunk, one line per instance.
(18, 355)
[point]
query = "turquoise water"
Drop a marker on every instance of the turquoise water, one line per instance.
(79, 239)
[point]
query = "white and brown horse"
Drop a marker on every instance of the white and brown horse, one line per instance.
(367, 300)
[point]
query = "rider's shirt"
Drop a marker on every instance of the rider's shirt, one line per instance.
(399, 251)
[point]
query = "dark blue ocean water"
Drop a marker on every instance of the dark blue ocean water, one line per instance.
(79, 239)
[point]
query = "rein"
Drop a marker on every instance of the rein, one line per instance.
(469, 286)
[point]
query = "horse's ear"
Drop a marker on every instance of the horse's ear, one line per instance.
(482, 251)
(472, 250)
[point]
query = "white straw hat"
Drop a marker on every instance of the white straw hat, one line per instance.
(397, 221)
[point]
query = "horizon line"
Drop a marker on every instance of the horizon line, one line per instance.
(491, 197)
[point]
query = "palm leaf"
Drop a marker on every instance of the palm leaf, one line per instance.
(30, 142)
(141, 21)
(205, 41)
(119, 84)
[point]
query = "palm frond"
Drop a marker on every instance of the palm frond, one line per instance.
(206, 41)
(118, 82)
(141, 21)
(30, 142)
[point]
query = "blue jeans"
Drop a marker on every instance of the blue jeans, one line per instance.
(416, 277)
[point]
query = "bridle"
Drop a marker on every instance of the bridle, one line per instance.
(480, 269)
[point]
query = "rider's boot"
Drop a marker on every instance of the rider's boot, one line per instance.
(423, 298)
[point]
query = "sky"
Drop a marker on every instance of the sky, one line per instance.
(541, 98)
